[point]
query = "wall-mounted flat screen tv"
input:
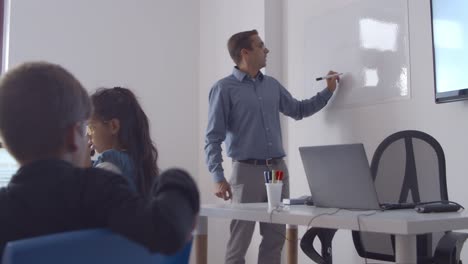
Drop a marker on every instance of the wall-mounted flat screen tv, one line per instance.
(450, 49)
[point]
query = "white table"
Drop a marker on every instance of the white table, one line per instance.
(404, 224)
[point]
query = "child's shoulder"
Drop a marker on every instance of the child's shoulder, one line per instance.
(114, 153)
(114, 156)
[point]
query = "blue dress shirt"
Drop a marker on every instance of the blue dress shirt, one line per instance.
(244, 113)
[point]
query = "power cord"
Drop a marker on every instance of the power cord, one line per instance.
(278, 209)
(393, 206)
(360, 230)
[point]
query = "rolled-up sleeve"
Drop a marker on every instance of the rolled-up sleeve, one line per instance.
(304, 108)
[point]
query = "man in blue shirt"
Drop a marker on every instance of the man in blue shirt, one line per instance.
(244, 112)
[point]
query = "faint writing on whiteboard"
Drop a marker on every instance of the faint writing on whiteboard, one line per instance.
(366, 42)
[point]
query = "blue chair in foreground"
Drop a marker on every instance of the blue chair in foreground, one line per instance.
(87, 246)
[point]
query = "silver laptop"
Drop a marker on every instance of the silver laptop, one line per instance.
(339, 176)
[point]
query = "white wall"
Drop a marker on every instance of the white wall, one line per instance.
(149, 46)
(371, 124)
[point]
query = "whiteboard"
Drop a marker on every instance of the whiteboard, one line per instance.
(369, 42)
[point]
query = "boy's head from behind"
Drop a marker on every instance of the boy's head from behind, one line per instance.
(43, 113)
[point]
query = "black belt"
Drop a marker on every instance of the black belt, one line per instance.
(267, 162)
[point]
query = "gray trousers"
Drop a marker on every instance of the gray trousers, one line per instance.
(248, 186)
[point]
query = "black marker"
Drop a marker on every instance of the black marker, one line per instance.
(328, 76)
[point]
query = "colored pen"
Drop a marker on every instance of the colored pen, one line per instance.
(273, 175)
(328, 76)
(265, 175)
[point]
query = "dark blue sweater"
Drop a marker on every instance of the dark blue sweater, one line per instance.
(52, 196)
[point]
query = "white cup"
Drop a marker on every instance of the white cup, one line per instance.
(274, 194)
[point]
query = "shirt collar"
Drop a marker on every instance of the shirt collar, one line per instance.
(240, 75)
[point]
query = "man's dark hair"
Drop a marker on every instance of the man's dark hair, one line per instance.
(239, 41)
(39, 101)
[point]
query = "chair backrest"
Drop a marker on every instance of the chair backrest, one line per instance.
(408, 166)
(87, 246)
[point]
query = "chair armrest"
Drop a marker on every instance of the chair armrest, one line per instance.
(449, 247)
(325, 236)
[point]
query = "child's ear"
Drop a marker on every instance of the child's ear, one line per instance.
(114, 125)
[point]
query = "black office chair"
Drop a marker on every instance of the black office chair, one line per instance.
(408, 166)
(325, 235)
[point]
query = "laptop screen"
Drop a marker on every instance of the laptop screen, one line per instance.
(339, 176)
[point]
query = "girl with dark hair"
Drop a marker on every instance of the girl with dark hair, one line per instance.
(119, 132)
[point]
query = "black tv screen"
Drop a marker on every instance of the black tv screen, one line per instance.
(450, 49)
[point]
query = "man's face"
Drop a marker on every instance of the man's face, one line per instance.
(257, 55)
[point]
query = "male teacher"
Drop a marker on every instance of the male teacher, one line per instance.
(244, 112)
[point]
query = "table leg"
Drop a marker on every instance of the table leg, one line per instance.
(201, 241)
(291, 244)
(405, 249)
